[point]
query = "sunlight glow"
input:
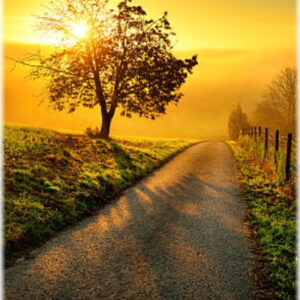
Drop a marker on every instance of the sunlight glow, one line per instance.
(79, 30)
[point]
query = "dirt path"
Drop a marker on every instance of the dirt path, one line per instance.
(176, 235)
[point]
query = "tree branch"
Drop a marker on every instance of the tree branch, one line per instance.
(44, 67)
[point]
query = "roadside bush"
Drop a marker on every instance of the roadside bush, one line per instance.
(92, 133)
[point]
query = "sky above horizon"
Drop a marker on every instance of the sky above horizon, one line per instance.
(241, 46)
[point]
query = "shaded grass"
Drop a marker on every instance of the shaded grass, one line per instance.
(53, 179)
(272, 214)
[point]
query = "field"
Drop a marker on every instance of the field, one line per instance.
(53, 179)
(272, 217)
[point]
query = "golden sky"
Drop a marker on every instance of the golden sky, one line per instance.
(241, 46)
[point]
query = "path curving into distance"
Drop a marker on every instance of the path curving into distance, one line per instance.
(178, 234)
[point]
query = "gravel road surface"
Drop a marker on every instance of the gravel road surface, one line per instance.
(178, 234)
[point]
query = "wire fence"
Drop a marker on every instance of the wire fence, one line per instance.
(273, 146)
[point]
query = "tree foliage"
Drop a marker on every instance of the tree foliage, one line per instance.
(277, 109)
(238, 120)
(124, 61)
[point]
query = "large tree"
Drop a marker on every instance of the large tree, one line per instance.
(277, 109)
(237, 121)
(114, 57)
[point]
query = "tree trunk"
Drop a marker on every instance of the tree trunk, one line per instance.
(105, 127)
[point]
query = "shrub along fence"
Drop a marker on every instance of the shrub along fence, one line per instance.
(273, 146)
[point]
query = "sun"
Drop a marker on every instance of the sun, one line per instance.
(78, 30)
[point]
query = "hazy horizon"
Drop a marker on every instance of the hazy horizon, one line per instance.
(240, 49)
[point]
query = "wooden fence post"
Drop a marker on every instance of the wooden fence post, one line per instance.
(266, 141)
(255, 133)
(259, 131)
(288, 158)
(276, 146)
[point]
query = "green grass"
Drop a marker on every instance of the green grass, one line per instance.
(53, 179)
(272, 213)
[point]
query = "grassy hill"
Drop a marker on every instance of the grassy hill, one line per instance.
(53, 179)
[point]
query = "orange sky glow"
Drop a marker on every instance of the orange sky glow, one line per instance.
(241, 46)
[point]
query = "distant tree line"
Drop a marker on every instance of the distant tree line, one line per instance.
(237, 121)
(276, 109)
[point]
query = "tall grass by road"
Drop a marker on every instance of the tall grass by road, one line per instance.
(274, 160)
(272, 217)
